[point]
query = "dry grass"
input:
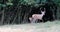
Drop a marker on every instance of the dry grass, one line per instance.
(35, 27)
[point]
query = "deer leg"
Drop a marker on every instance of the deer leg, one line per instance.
(32, 20)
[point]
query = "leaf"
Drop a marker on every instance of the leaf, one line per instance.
(9, 3)
(2, 5)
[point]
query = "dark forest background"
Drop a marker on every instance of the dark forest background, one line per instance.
(16, 11)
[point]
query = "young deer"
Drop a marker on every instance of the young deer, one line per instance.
(36, 17)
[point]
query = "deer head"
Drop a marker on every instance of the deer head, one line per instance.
(43, 12)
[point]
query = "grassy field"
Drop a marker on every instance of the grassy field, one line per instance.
(32, 27)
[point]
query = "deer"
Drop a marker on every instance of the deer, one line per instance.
(35, 17)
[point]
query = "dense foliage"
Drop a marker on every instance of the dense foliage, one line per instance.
(16, 11)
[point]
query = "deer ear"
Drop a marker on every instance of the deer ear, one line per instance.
(41, 11)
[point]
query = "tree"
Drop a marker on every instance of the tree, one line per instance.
(16, 11)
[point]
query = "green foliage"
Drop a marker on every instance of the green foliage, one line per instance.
(29, 2)
(57, 2)
(43, 1)
(2, 5)
(9, 3)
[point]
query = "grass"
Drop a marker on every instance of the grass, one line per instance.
(34, 27)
